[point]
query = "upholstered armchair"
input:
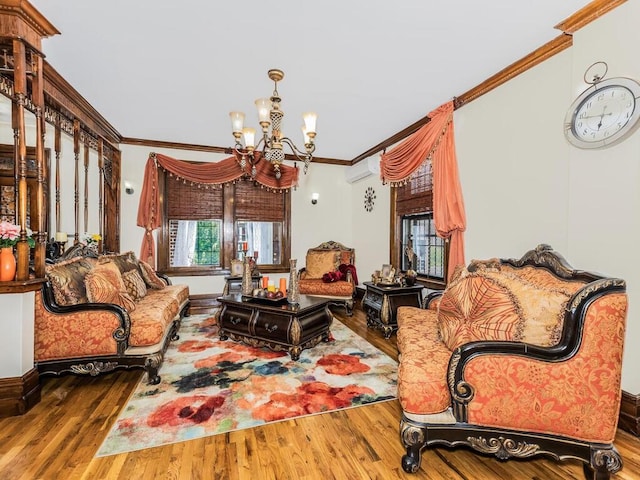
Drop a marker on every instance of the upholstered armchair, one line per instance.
(329, 272)
(516, 358)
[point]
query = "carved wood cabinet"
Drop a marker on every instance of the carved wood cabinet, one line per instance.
(380, 304)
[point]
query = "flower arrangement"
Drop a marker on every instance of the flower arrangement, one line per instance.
(89, 238)
(10, 235)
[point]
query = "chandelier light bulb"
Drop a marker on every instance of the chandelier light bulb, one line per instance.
(305, 135)
(310, 119)
(237, 122)
(264, 108)
(249, 135)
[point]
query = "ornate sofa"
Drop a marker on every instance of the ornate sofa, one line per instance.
(96, 314)
(329, 272)
(516, 358)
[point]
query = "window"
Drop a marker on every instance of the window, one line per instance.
(414, 232)
(427, 249)
(194, 242)
(204, 228)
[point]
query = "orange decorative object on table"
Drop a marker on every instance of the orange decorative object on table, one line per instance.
(283, 286)
(265, 282)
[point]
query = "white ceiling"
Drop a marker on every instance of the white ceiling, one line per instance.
(172, 70)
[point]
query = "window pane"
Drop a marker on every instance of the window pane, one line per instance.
(194, 242)
(419, 236)
(262, 240)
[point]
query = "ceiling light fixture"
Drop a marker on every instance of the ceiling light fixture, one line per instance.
(272, 141)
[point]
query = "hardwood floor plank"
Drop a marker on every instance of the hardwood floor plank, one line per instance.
(60, 436)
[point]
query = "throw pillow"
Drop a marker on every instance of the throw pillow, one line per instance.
(134, 284)
(104, 285)
(320, 262)
(150, 277)
(330, 277)
(67, 280)
(475, 307)
(124, 261)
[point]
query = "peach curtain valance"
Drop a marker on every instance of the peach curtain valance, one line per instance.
(435, 140)
(205, 174)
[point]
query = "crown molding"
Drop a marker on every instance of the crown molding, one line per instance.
(587, 14)
(143, 142)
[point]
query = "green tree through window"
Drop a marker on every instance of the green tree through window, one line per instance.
(207, 251)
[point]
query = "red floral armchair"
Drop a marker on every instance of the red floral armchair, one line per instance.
(330, 272)
(516, 358)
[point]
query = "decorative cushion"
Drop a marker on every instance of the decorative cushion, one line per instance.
(124, 261)
(154, 313)
(495, 303)
(134, 284)
(315, 286)
(347, 257)
(542, 298)
(67, 280)
(320, 262)
(422, 373)
(104, 285)
(475, 307)
(150, 277)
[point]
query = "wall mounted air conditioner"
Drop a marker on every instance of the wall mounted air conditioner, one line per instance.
(363, 169)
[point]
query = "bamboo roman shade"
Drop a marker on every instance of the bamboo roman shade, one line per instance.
(186, 201)
(416, 196)
(258, 204)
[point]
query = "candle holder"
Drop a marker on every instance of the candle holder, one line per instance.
(254, 264)
(61, 247)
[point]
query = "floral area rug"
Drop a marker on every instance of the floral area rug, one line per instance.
(209, 386)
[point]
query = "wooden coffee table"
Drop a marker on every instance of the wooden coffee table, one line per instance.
(279, 326)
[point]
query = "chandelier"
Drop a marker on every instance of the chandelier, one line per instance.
(272, 142)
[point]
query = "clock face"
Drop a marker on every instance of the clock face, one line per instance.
(603, 115)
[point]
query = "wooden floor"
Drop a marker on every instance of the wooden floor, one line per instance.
(59, 437)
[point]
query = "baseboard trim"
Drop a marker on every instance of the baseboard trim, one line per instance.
(19, 394)
(204, 303)
(629, 420)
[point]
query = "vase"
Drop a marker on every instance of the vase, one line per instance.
(293, 294)
(7, 264)
(247, 285)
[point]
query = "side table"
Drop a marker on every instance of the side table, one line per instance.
(381, 302)
(233, 284)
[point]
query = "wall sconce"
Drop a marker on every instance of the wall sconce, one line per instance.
(128, 188)
(314, 198)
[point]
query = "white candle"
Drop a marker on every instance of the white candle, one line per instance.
(61, 237)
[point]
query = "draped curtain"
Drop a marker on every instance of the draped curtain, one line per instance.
(205, 174)
(434, 140)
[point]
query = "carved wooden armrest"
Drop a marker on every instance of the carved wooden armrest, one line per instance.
(432, 300)
(123, 322)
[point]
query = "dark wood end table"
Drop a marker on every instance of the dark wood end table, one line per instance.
(380, 304)
(279, 326)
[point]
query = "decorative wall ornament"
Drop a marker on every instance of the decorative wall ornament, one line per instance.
(369, 199)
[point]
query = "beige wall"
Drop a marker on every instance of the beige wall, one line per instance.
(524, 184)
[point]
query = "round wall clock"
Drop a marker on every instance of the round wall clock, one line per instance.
(369, 199)
(603, 114)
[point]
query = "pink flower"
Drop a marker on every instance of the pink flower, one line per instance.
(9, 234)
